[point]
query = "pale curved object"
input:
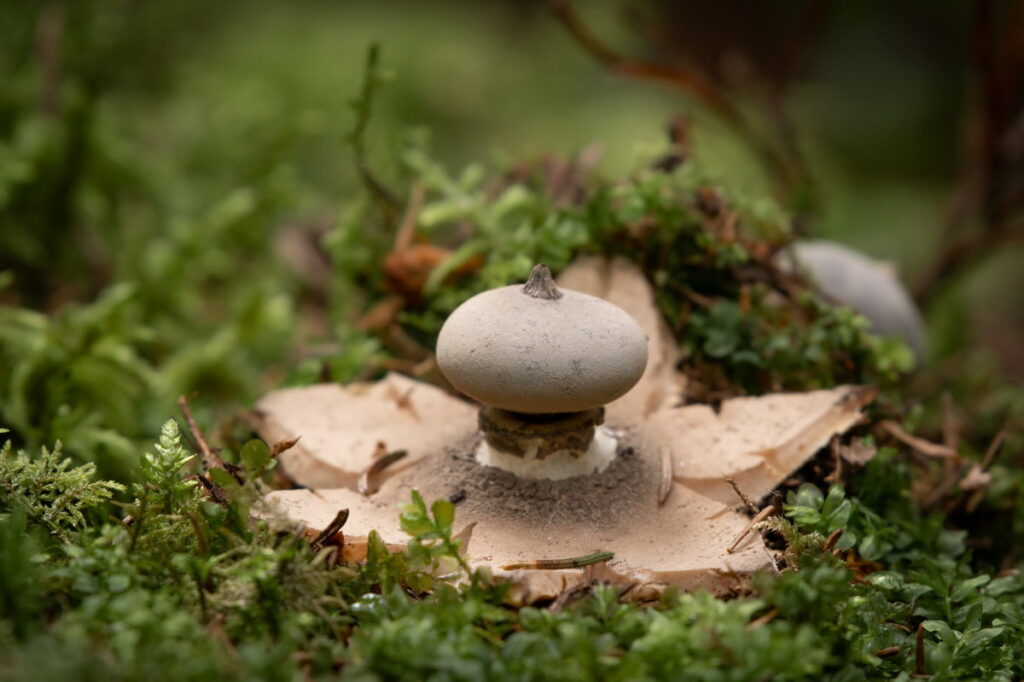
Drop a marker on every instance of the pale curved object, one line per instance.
(570, 353)
(870, 287)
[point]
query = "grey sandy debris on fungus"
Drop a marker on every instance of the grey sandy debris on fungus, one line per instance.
(548, 476)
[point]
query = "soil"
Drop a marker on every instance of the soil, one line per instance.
(626, 489)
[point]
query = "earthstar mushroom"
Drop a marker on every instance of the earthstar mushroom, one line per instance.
(666, 525)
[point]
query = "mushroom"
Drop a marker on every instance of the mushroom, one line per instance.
(868, 286)
(543, 479)
(543, 362)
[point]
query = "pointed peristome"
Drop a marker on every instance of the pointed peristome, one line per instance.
(541, 284)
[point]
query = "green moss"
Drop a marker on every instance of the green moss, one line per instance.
(119, 561)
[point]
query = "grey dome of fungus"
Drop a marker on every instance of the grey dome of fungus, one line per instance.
(868, 286)
(535, 348)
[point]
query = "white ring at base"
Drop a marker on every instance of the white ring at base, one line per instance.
(558, 465)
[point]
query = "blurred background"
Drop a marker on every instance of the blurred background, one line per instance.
(165, 167)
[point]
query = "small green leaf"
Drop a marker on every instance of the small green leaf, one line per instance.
(415, 524)
(941, 630)
(444, 514)
(808, 495)
(255, 455)
(222, 478)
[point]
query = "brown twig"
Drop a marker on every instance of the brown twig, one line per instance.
(565, 596)
(763, 619)
(994, 448)
(919, 652)
(923, 446)
(833, 538)
(330, 530)
(955, 474)
(407, 230)
(211, 489)
(366, 484)
(211, 459)
(751, 507)
(685, 77)
(758, 518)
(560, 564)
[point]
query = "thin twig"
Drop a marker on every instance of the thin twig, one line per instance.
(833, 538)
(758, 518)
(985, 199)
(559, 564)
(993, 448)
(565, 596)
(751, 507)
(407, 230)
(211, 489)
(330, 530)
(689, 79)
(763, 619)
(923, 446)
(211, 459)
(364, 107)
(366, 484)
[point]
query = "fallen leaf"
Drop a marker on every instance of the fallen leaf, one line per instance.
(341, 425)
(857, 453)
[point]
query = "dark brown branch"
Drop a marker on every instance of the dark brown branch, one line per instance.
(686, 78)
(989, 203)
